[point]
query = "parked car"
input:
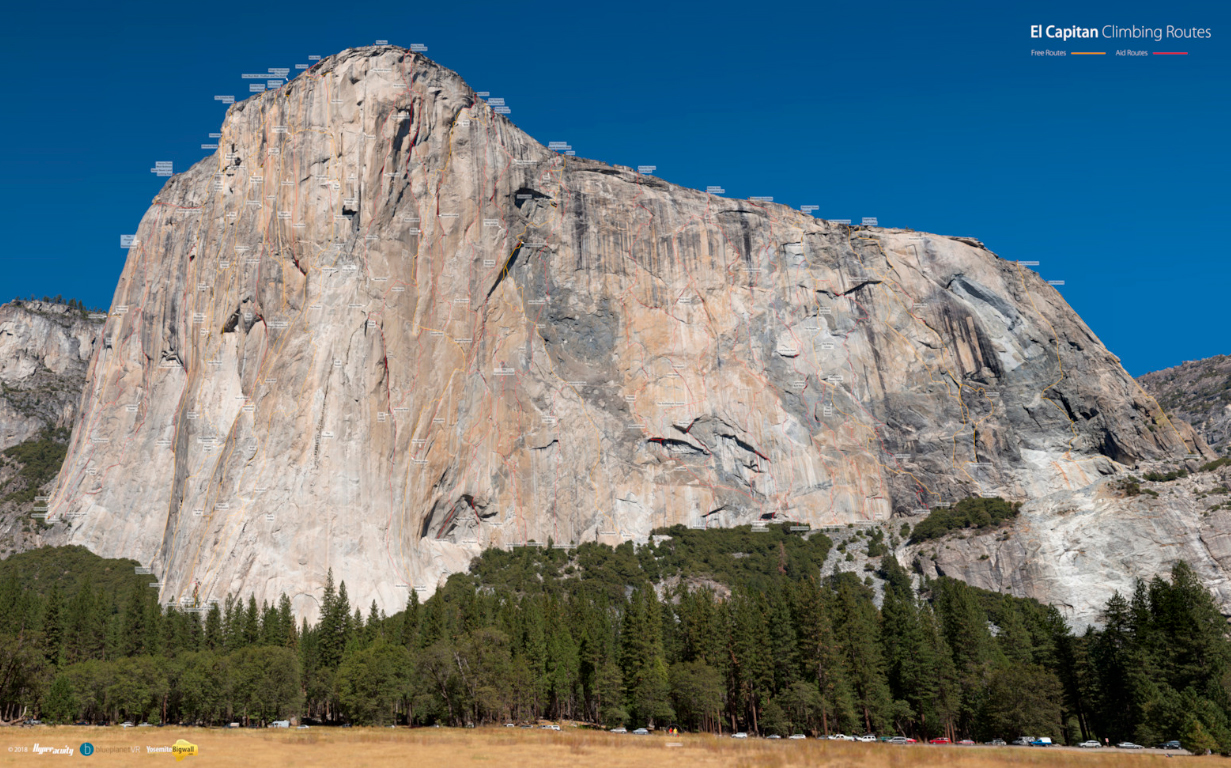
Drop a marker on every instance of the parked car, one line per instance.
(939, 740)
(995, 743)
(1128, 745)
(739, 735)
(510, 725)
(621, 729)
(867, 738)
(773, 736)
(797, 736)
(966, 743)
(899, 740)
(1022, 741)
(126, 724)
(1091, 744)
(638, 732)
(1173, 744)
(1042, 741)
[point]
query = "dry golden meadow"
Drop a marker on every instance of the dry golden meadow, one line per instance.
(508, 748)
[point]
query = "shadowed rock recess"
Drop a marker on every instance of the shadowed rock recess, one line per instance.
(382, 329)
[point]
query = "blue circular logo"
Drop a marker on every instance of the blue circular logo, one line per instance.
(86, 749)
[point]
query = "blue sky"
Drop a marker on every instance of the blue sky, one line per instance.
(1111, 172)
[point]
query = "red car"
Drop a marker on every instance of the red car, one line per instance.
(939, 740)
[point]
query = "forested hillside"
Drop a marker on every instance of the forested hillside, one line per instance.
(707, 630)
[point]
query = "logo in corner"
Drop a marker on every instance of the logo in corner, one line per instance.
(182, 749)
(86, 749)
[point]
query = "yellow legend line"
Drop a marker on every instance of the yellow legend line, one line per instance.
(1088, 53)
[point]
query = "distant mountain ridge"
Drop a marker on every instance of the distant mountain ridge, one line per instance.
(1199, 392)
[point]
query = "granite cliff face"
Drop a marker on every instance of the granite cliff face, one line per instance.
(45, 349)
(382, 328)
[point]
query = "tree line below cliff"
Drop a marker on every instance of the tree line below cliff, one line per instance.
(706, 630)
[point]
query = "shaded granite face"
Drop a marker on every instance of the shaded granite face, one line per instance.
(382, 329)
(45, 349)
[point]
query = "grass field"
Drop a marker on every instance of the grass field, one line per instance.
(507, 748)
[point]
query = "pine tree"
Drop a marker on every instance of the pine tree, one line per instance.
(858, 632)
(562, 665)
(287, 636)
(752, 667)
(409, 636)
(820, 656)
(252, 624)
(910, 659)
(84, 637)
(271, 625)
(641, 658)
(53, 628)
(373, 627)
(135, 626)
(333, 630)
(964, 625)
(232, 623)
(215, 636)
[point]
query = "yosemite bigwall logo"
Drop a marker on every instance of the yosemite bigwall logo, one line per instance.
(182, 749)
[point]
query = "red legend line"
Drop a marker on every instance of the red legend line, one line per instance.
(1171, 53)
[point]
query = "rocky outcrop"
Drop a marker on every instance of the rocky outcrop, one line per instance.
(382, 328)
(45, 349)
(1075, 548)
(1199, 392)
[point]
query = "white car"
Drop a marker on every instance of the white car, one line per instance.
(836, 737)
(740, 735)
(867, 739)
(1128, 745)
(797, 736)
(638, 732)
(126, 724)
(1091, 744)
(621, 729)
